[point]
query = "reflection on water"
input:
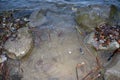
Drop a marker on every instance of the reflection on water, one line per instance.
(36, 4)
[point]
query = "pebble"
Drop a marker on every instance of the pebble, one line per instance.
(3, 58)
(82, 63)
(81, 51)
(74, 9)
(69, 52)
(26, 19)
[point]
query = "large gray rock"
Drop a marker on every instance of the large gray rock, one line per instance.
(21, 45)
(91, 16)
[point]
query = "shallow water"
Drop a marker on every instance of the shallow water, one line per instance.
(26, 7)
(55, 58)
(36, 4)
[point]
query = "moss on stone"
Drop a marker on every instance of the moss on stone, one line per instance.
(113, 11)
(88, 22)
(114, 17)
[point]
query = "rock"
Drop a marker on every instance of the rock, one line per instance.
(37, 18)
(91, 16)
(15, 71)
(90, 40)
(69, 52)
(114, 17)
(114, 45)
(113, 73)
(3, 58)
(21, 45)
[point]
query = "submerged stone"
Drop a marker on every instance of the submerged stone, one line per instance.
(114, 17)
(37, 18)
(113, 73)
(91, 16)
(21, 45)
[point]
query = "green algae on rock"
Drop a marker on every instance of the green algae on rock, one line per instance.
(89, 17)
(114, 17)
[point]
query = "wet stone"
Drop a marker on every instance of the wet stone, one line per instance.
(105, 37)
(90, 16)
(113, 73)
(37, 18)
(16, 77)
(21, 45)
